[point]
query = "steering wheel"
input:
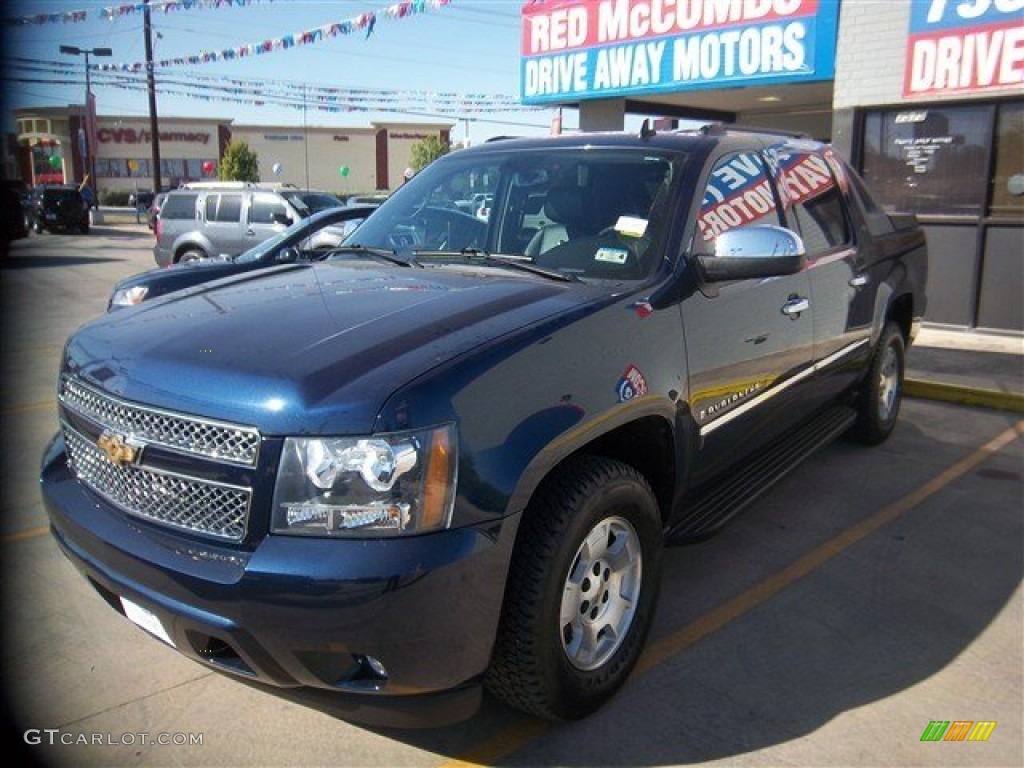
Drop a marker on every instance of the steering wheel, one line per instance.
(440, 229)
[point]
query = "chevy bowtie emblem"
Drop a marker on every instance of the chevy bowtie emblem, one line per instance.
(117, 449)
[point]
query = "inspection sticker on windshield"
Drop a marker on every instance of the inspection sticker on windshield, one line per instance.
(631, 226)
(611, 255)
(146, 620)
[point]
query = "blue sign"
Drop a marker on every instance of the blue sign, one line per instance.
(597, 49)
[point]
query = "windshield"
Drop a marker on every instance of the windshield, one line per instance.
(590, 213)
(297, 202)
(319, 201)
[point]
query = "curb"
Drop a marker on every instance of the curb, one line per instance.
(953, 393)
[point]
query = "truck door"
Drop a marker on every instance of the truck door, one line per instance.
(814, 192)
(749, 343)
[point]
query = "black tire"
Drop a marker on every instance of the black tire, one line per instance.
(880, 395)
(192, 254)
(594, 514)
(84, 228)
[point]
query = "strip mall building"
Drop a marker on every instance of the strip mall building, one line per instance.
(923, 97)
(51, 149)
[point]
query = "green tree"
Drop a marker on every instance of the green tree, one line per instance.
(239, 163)
(425, 151)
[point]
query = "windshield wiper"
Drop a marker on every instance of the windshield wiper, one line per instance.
(383, 254)
(521, 263)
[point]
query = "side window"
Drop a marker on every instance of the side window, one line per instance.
(224, 208)
(738, 194)
(179, 207)
(812, 196)
(263, 208)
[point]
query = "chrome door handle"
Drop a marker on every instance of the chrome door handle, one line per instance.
(796, 306)
(858, 281)
(250, 232)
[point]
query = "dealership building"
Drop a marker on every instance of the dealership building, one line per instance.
(924, 97)
(52, 149)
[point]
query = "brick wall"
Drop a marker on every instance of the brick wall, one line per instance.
(871, 53)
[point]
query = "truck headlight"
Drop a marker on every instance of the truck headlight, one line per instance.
(385, 485)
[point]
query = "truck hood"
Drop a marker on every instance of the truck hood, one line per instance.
(309, 349)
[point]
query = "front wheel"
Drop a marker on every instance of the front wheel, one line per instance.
(880, 395)
(581, 590)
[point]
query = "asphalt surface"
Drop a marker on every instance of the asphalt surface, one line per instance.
(871, 592)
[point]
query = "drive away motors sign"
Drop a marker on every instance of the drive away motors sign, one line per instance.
(598, 48)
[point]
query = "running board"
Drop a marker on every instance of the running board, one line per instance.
(711, 508)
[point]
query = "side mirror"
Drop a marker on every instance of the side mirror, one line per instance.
(287, 255)
(280, 218)
(754, 252)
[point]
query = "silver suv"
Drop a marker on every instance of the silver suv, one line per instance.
(223, 219)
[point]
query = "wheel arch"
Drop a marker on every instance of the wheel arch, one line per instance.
(647, 442)
(901, 312)
(180, 249)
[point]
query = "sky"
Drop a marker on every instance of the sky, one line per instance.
(466, 47)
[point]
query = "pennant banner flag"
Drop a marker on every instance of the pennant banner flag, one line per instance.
(365, 21)
(128, 9)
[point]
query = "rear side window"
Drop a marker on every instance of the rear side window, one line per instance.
(179, 207)
(812, 196)
(224, 208)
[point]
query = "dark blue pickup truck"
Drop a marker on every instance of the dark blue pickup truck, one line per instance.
(450, 455)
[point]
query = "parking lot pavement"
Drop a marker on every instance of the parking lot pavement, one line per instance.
(870, 593)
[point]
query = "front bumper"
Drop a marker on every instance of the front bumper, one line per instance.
(299, 612)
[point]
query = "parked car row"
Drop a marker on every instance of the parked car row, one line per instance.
(308, 239)
(56, 207)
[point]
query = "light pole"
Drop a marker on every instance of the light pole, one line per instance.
(90, 105)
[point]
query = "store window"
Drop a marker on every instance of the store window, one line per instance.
(111, 167)
(143, 168)
(173, 169)
(929, 159)
(1008, 183)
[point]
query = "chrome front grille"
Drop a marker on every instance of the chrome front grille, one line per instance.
(189, 503)
(185, 434)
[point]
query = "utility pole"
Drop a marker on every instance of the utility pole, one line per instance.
(154, 130)
(305, 135)
(90, 108)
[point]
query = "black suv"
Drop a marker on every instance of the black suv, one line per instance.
(57, 206)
